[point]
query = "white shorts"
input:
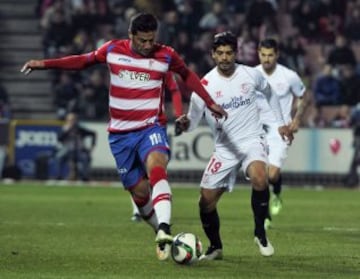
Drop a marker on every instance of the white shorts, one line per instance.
(277, 147)
(223, 166)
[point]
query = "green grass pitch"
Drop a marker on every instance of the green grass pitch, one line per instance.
(86, 232)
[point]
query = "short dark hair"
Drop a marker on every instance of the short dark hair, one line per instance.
(224, 38)
(269, 43)
(143, 22)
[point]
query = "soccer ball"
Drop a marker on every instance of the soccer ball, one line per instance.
(186, 248)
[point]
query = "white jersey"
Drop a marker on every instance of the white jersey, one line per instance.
(237, 96)
(286, 84)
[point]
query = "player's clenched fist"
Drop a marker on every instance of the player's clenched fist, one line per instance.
(182, 123)
(286, 134)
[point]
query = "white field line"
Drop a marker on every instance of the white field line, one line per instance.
(57, 224)
(14, 223)
(341, 229)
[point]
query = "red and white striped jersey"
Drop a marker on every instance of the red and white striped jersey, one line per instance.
(136, 83)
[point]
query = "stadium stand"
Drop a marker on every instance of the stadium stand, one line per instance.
(21, 39)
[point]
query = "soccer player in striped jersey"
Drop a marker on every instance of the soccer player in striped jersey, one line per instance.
(290, 89)
(138, 142)
(239, 141)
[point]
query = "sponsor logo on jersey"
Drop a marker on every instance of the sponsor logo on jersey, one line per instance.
(218, 94)
(124, 59)
(245, 88)
(236, 102)
(151, 62)
(133, 75)
(204, 82)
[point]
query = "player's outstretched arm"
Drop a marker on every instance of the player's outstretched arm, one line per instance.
(218, 111)
(300, 106)
(176, 97)
(31, 65)
(194, 83)
(71, 62)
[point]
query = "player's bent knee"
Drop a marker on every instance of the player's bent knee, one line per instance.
(259, 184)
(141, 200)
(206, 205)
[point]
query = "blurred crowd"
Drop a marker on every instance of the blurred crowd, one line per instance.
(80, 26)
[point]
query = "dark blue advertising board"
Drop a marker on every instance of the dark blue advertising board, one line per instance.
(32, 146)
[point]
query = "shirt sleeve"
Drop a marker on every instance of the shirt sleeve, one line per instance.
(297, 86)
(101, 53)
(177, 64)
(78, 62)
(196, 111)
